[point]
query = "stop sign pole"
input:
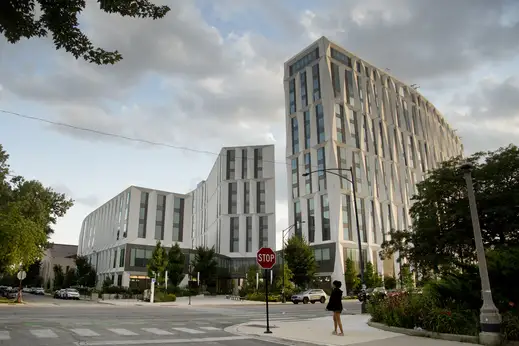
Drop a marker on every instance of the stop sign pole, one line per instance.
(266, 259)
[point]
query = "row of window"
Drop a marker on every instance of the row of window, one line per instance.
(234, 233)
(260, 197)
(178, 217)
(231, 164)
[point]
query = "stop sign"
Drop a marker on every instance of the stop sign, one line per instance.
(266, 258)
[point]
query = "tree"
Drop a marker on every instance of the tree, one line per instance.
(406, 277)
(59, 19)
(33, 275)
(301, 260)
(205, 264)
(389, 282)
(70, 278)
(85, 273)
(176, 265)
(250, 281)
(59, 276)
(28, 210)
(157, 263)
(286, 275)
(371, 277)
(441, 238)
(351, 279)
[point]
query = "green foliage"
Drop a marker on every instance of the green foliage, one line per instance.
(162, 297)
(158, 263)
(371, 277)
(250, 281)
(70, 278)
(300, 259)
(351, 280)
(28, 210)
(510, 325)
(205, 264)
(288, 276)
(86, 275)
(176, 265)
(260, 297)
(59, 277)
(441, 238)
(406, 277)
(389, 282)
(59, 19)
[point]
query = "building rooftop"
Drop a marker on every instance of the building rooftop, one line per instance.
(63, 250)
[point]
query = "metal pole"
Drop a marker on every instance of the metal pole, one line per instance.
(361, 258)
(283, 267)
(268, 331)
(490, 319)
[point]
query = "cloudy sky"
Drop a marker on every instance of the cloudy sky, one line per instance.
(210, 75)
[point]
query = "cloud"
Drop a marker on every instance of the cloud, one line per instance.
(89, 200)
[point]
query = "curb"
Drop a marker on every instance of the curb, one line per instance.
(426, 334)
(235, 329)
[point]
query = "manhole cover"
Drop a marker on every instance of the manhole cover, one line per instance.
(260, 326)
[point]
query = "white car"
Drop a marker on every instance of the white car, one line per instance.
(70, 293)
(312, 296)
(38, 291)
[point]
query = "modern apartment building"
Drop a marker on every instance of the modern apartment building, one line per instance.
(342, 113)
(232, 210)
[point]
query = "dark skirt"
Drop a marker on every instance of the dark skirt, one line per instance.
(334, 306)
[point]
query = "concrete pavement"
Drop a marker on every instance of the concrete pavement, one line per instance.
(318, 331)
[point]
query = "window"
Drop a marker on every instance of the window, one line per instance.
(295, 178)
(143, 214)
(308, 168)
(325, 217)
(354, 129)
(292, 95)
(316, 82)
(361, 215)
(121, 257)
(307, 128)
(231, 161)
(321, 166)
(382, 139)
(303, 62)
(341, 57)
(311, 220)
(160, 216)
(258, 163)
(244, 163)
(178, 219)
(304, 96)
(358, 171)
(336, 80)
(233, 198)
(339, 123)
(374, 135)
(366, 135)
(347, 233)
(320, 123)
(297, 219)
(248, 231)
(263, 231)
(260, 188)
(295, 136)
(350, 94)
(374, 223)
(246, 197)
(382, 223)
(343, 164)
(140, 257)
(234, 245)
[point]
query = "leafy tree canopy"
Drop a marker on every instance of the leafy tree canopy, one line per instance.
(176, 265)
(300, 259)
(158, 263)
(28, 210)
(205, 264)
(59, 20)
(441, 237)
(85, 273)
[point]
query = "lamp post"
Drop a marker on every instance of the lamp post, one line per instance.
(283, 234)
(359, 243)
(489, 317)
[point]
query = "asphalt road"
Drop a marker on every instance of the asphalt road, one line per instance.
(92, 324)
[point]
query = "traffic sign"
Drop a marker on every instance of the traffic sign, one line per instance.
(266, 258)
(21, 275)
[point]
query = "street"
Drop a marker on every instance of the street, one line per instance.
(92, 324)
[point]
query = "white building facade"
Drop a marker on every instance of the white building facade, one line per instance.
(232, 210)
(342, 113)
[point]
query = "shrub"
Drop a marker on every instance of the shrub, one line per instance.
(510, 325)
(164, 297)
(259, 297)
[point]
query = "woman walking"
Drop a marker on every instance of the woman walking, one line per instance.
(335, 305)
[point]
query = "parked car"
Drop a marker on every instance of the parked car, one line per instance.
(12, 293)
(39, 291)
(70, 293)
(312, 296)
(57, 294)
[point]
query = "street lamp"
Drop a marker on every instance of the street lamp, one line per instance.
(361, 258)
(283, 234)
(489, 317)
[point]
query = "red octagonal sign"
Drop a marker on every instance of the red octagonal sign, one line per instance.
(266, 258)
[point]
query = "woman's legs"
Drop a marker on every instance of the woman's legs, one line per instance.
(334, 323)
(338, 322)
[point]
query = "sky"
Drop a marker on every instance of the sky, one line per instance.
(210, 74)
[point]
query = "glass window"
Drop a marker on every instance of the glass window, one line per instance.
(292, 95)
(339, 123)
(308, 178)
(336, 80)
(234, 245)
(307, 128)
(325, 218)
(320, 123)
(321, 166)
(295, 178)
(347, 233)
(316, 82)
(304, 96)
(295, 135)
(248, 226)
(311, 220)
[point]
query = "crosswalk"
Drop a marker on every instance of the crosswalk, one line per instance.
(84, 333)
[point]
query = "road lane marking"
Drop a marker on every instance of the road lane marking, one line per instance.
(210, 328)
(122, 331)
(157, 331)
(43, 333)
(84, 332)
(4, 335)
(189, 330)
(162, 341)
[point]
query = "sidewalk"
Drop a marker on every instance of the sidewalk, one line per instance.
(318, 331)
(184, 302)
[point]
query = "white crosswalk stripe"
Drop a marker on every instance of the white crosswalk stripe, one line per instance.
(43, 333)
(157, 331)
(122, 331)
(189, 330)
(210, 328)
(4, 335)
(84, 332)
